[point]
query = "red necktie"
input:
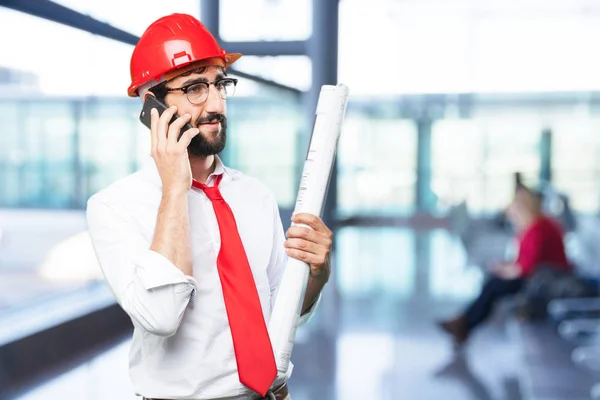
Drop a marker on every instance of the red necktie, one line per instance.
(252, 345)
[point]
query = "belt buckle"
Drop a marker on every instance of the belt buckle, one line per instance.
(270, 395)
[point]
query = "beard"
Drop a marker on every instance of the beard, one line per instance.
(202, 146)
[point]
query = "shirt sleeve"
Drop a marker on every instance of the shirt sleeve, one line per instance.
(307, 316)
(277, 264)
(149, 288)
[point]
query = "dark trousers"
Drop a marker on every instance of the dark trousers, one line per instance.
(493, 290)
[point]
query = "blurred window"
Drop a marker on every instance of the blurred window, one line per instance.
(376, 262)
(471, 46)
(245, 20)
(292, 71)
(377, 160)
(264, 129)
(576, 160)
(475, 160)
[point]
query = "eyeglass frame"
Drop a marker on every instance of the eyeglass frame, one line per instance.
(185, 88)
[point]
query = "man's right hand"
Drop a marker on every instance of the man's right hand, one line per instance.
(508, 271)
(170, 155)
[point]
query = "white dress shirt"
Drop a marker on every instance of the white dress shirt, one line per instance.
(182, 346)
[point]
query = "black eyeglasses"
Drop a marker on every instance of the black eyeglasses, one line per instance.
(197, 93)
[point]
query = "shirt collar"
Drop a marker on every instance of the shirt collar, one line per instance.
(220, 168)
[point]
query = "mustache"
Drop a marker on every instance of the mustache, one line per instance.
(212, 117)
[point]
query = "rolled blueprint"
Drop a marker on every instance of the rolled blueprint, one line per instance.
(331, 108)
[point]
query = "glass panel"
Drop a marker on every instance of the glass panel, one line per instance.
(57, 153)
(418, 52)
(375, 261)
(450, 276)
(264, 127)
(41, 167)
(48, 145)
(503, 57)
(245, 20)
(511, 145)
(292, 71)
(377, 166)
(576, 161)
(113, 142)
(475, 160)
(38, 153)
(455, 177)
(485, 47)
(12, 156)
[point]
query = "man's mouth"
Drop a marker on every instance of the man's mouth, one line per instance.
(212, 121)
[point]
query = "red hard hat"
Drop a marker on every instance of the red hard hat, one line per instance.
(170, 44)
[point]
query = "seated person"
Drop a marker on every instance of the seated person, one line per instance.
(540, 243)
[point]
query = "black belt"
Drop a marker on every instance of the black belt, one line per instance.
(275, 394)
(278, 394)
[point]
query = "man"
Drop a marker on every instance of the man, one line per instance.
(194, 251)
(540, 243)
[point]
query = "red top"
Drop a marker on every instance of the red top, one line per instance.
(541, 243)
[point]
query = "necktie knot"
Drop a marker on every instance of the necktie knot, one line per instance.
(212, 192)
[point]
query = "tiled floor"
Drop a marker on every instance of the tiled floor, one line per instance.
(374, 336)
(103, 377)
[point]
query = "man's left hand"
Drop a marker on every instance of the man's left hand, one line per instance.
(311, 245)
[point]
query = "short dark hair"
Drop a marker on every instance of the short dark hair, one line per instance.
(160, 91)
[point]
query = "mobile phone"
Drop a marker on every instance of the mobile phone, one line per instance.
(151, 102)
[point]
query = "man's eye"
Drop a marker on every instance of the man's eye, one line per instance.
(195, 89)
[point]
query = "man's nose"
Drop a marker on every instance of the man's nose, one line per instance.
(214, 102)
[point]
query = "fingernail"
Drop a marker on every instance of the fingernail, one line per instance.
(187, 115)
(153, 111)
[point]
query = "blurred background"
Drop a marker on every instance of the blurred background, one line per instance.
(449, 99)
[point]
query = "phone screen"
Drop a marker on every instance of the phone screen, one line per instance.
(151, 102)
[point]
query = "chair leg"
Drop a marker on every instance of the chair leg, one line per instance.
(595, 392)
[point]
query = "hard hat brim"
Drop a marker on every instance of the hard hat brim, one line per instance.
(225, 61)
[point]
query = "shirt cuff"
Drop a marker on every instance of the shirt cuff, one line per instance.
(311, 311)
(155, 270)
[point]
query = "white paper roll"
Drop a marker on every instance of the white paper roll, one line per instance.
(330, 112)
